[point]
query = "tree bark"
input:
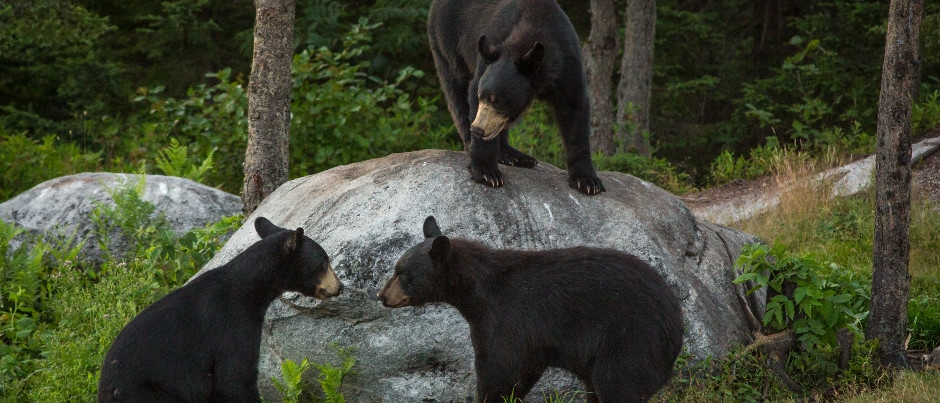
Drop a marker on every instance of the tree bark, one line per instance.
(636, 76)
(269, 98)
(900, 79)
(600, 57)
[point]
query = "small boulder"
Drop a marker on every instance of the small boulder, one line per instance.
(61, 208)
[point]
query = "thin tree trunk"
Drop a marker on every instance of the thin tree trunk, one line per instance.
(900, 78)
(269, 97)
(600, 58)
(636, 76)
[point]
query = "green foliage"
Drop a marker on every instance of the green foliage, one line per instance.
(292, 385)
(130, 214)
(58, 318)
(854, 141)
(330, 378)
(173, 161)
(655, 170)
(760, 161)
(52, 69)
(341, 114)
(399, 37)
(743, 376)
(26, 162)
(176, 42)
(212, 120)
(537, 135)
(925, 115)
(826, 298)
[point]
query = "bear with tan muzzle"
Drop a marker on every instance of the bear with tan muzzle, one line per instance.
(201, 342)
(604, 315)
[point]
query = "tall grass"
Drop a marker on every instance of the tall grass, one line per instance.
(810, 222)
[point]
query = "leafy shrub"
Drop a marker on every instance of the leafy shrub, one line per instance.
(761, 161)
(58, 318)
(292, 385)
(174, 161)
(925, 115)
(330, 378)
(341, 114)
(210, 121)
(826, 298)
(655, 170)
(26, 162)
(53, 68)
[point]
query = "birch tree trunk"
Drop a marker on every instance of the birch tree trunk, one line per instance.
(269, 97)
(600, 57)
(636, 76)
(900, 79)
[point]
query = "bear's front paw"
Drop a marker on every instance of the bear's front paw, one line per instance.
(590, 185)
(489, 176)
(515, 158)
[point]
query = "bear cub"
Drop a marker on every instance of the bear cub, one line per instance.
(200, 343)
(493, 58)
(605, 315)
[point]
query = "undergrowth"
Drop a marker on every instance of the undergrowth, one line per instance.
(59, 315)
(329, 377)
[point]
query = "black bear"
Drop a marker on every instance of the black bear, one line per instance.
(493, 58)
(200, 343)
(602, 314)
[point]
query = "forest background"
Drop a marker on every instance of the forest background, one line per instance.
(160, 87)
(108, 84)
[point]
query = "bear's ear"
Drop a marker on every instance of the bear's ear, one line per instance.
(487, 50)
(532, 60)
(295, 241)
(265, 228)
(431, 229)
(440, 250)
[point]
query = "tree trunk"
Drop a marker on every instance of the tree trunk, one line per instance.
(269, 97)
(600, 57)
(636, 76)
(900, 78)
(770, 22)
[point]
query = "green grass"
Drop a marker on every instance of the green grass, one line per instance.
(839, 231)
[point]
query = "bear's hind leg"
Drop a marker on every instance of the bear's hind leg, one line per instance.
(496, 382)
(511, 156)
(619, 382)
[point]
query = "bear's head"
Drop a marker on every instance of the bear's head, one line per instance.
(506, 87)
(420, 272)
(307, 268)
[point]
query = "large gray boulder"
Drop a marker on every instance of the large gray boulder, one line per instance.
(366, 214)
(61, 208)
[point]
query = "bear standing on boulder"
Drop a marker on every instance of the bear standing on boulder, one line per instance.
(201, 342)
(602, 314)
(493, 58)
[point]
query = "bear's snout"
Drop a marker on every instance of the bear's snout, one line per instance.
(392, 295)
(488, 123)
(329, 286)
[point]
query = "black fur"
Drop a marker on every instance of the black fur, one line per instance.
(510, 52)
(604, 315)
(200, 343)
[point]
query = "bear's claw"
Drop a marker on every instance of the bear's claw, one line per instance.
(491, 177)
(515, 158)
(589, 186)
